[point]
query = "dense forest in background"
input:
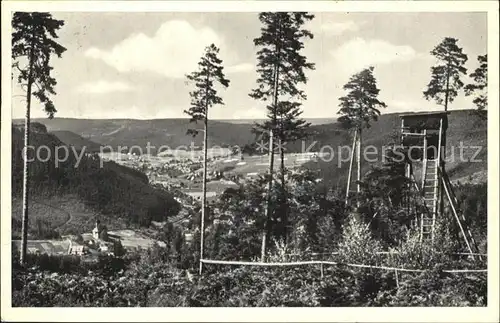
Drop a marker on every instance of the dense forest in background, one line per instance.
(464, 127)
(112, 190)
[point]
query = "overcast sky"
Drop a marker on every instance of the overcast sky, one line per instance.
(133, 65)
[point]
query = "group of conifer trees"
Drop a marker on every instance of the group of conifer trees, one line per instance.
(281, 70)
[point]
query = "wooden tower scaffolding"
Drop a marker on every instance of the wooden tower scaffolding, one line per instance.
(354, 155)
(423, 136)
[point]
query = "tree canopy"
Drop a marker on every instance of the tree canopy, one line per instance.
(34, 39)
(447, 73)
(360, 105)
(479, 87)
(205, 96)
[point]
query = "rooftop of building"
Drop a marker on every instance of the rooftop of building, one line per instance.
(425, 113)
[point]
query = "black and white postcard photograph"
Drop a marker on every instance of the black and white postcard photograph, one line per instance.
(250, 161)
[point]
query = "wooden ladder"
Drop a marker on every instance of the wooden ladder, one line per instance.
(430, 192)
(430, 189)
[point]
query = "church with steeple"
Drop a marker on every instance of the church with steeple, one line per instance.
(100, 232)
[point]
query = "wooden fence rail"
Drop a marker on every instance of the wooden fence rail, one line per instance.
(321, 263)
(385, 253)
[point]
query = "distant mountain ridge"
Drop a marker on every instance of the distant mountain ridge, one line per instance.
(157, 132)
(312, 121)
(122, 133)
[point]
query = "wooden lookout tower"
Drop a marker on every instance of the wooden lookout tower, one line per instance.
(423, 137)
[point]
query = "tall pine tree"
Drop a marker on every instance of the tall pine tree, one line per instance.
(446, 82)
(33, 44)
(209, 74)
(446, 74)
(281, 68)
(359, 107)
(480, 86)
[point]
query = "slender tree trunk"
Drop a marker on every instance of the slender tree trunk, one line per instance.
(283, 201)
(24, 235)
(281, 140)
(204, 198)
(267, 224)
(358, 157)
(443, 139)
(204, 185)
(282, 164)
(284, 209)
(265, 233)
(267, 228)
(446, 94)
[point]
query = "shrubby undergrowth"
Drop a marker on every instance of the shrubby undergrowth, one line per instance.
(146, 282)
(104, 186)
(321, 227)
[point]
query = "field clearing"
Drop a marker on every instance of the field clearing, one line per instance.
(199, 194)
(114, 156)
(214, 189)
(133, 240)
(44, 216)
(82, 219)
(65, 214)
(45, 210)
(50, 247)
(188, 153)
(251, 165)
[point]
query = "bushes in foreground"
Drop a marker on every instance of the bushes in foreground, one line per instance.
(151, 279)
(161, 285)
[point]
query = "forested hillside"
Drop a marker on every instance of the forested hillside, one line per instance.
(111, 190)
(70, 138)
(464, 127)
